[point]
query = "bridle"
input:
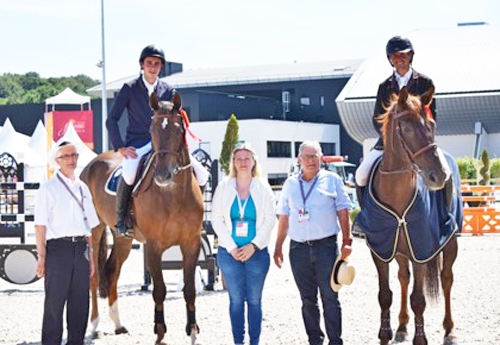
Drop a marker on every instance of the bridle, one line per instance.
(412, 155)
(177, 153)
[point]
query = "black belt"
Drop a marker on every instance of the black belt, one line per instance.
(72, 238)
(318, 241)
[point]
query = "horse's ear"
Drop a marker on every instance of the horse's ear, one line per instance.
(403, 96)
(426, 98)
(177, 101)
(153, 101)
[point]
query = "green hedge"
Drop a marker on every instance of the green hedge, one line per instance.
(468, 167)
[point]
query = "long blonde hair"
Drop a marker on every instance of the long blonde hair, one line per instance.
(247, 147)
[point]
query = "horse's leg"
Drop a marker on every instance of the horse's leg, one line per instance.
(385, 300)
(121, 250)
(450, 252)
(97, 234)
(417, 301)
(154, 254)
(404, 280)
(190, 253)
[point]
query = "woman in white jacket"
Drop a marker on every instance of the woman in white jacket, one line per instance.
(243, 217)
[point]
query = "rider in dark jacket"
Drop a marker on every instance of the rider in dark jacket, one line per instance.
(400, 53)
(134, 98)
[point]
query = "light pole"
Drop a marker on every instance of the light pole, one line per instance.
(102, 64)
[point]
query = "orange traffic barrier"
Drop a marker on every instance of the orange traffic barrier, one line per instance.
(484, 219)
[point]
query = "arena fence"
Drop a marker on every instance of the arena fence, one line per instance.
(17, 260)
(480, 214)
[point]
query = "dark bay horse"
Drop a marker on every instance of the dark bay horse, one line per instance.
(167, 210)
(410, 150)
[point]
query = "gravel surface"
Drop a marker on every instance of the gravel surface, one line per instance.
(476, 306)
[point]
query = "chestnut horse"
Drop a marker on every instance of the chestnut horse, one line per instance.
(410, 150)
(167, 209)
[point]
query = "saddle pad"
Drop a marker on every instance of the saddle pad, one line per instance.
(111, 184)
(427, 223)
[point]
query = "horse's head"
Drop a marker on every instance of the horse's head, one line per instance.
(167, 138)
(408, 134)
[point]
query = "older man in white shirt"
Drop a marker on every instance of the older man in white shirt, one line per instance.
(64, 218)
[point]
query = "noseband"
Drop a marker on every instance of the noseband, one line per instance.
(177, 169)
(412, 155)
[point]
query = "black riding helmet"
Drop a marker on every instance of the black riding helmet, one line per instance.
(152, 51)
(399, 44)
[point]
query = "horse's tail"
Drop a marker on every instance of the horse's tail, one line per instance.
(432, 278)
(103, 257)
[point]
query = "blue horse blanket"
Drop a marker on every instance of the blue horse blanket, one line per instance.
(428, 223)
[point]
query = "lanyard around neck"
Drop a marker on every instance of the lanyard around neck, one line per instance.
(78, 201)
(241, 207)
(306, 196)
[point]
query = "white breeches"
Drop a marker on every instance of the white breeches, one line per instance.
(130, 166)
(363, 171)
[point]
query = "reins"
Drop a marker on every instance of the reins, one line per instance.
(413, 155)
(177, 169)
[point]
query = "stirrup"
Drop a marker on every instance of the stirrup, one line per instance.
(122, 231)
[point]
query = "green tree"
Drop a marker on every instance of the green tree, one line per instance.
(484, 171)
(230, 140)
(466, 167)
(495, 168)
(30, 88)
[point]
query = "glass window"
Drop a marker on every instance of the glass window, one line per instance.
(279, 149)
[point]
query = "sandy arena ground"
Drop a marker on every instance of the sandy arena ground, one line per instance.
(476, 305)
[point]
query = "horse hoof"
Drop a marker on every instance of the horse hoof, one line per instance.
(96, 335)
(400, 336)
(121, 330)
(450, 340)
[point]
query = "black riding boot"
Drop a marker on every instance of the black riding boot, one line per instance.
(123, 194)
(360, 194)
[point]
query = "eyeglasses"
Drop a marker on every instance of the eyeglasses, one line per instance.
(310, 157)
(68, 157)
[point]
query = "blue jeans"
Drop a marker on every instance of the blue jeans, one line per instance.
(312, 266)
(245, 282)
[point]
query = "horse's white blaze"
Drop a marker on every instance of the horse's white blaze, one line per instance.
(114, 315)
(164, 123)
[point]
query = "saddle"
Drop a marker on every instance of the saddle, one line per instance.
(111, 184)
(428, 223)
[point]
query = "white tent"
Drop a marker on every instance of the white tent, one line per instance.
(67, 96)
(16, 144)
(38, 143)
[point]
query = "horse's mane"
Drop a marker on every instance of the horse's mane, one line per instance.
(413, 104)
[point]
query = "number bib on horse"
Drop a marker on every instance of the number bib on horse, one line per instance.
(426, 223)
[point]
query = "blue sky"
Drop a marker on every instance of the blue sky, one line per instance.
(63, 37)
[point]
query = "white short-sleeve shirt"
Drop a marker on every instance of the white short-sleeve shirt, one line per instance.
(60, 213)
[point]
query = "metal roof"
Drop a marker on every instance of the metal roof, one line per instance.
(463, 63)
(211, 77)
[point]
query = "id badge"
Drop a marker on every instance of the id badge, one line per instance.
(241, 229)
(304, 215)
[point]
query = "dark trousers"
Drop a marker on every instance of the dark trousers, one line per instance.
(67, 272)
(312, 266)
